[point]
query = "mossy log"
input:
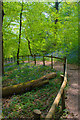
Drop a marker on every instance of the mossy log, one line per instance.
(27, 86)
(48, 76)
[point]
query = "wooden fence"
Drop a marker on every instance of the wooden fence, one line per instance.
(60, 95)
(14, 59)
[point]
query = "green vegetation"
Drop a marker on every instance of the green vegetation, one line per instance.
(15, 74)
(73, 57)
(39, 33)
(21, 106)
(36, 28)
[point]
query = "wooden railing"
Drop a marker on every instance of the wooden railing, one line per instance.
(13, 59)
(60, 95)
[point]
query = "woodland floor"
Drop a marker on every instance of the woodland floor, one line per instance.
(72, 91)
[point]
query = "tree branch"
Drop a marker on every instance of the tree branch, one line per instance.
(29, 46)
(60, 2)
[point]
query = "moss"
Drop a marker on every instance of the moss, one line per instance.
(22, 87)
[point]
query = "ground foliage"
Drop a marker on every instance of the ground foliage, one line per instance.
(15, 74)
(21, 106)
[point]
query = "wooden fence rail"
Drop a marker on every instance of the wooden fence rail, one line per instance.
(9, 58)
(59, 96)
(51, 62)
(13, 59)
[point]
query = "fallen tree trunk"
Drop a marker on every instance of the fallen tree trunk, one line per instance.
(27, 86)
(23, 87)
(48, 76)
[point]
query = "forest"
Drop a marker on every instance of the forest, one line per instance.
(40, 28)
(39, 32)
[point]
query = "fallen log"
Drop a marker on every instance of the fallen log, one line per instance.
(23, 87)
(27, 86)
(48, 76)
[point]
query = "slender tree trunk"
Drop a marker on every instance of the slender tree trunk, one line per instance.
(2, 42)
(19, 35)
(29, 47)
(56, 6)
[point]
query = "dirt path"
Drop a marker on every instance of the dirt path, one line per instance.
(72, 92)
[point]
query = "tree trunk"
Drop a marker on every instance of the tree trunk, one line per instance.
(56, 6)
(2, 42)
(29, 47)
(19, 35)
(55, 32)
(27, 86)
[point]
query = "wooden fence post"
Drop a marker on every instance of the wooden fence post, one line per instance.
(51, 62)
(8, 59)
(11, 59)
(63, 95)
(35, 59)
(43, 61)
(28, 59)
(14, 58)
(64, 64)
(37, 114)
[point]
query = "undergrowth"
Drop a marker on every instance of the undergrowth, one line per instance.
(15, 74)
(22, 106)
